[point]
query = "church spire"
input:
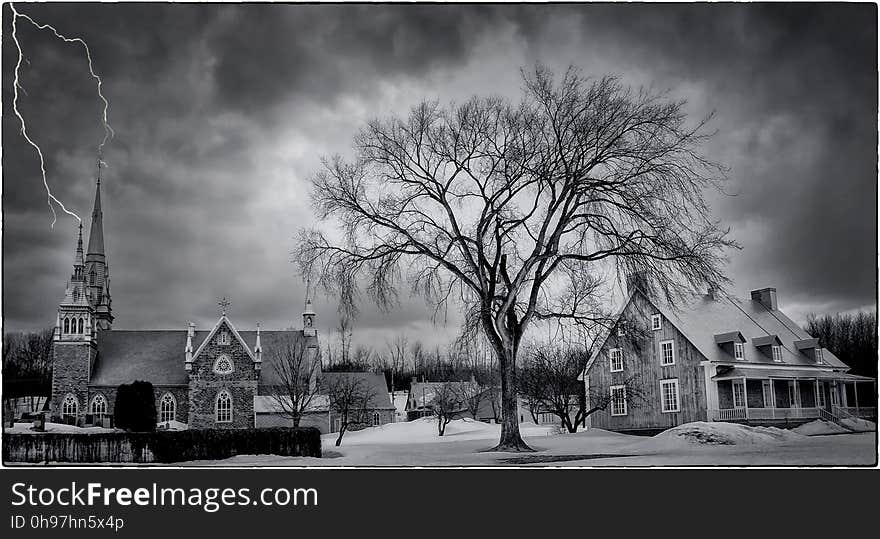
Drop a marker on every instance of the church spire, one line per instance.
(97, 269)
(78, 261)
(96, 234)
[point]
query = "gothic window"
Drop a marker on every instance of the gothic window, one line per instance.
(167, 408)
(224, 407)
(223, 365)
(80, 326)
(93, 277)
(69, 406)
(376, 421)
(66, 325)
(99, 406)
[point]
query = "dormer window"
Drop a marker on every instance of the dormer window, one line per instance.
(656, 322)
(738, 352)
(777, 354)
(820, 358)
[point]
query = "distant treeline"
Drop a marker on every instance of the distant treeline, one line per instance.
(27, 363)
(851, 337)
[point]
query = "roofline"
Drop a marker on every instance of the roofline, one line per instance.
(234, 332)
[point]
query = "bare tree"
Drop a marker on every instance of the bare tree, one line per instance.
(345, 335)
(397, 354)
(471, 395)
(446, 404)
(519, 211)
(350, 397)
(850, 337)
(297, 368)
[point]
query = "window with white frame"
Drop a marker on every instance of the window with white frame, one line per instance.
(223, 365)
(777, 353)
(669, 401)
(224, 407)
(738, 350)
(820, 394)
(69, 406)
(820, 357)
(99, 406)
(667, 352)
(616, 359)
(167, 408)
(656, 321)
(739, 394)
(618, 400)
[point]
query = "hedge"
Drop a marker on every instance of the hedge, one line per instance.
(160, 446)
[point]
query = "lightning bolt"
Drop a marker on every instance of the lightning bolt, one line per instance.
(108, 131)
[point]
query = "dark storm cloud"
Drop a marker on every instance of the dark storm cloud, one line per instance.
(222, 112)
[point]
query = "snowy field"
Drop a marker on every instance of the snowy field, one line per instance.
(465, 443)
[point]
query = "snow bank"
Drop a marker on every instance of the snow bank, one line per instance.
(424, 430)
(701, 433)
(819, 427)
(171, 425)
(859, 425)
(55, 427)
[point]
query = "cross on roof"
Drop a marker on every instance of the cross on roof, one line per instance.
(223, 304)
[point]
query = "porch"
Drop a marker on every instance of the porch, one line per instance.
(756, 395)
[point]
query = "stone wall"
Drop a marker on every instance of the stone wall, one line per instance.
(181, 394)
(71, 363)
(205, 384)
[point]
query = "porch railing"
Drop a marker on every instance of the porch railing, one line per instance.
(741, 414)
(860, 412)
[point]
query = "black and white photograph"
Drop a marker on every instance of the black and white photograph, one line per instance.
(439, 235)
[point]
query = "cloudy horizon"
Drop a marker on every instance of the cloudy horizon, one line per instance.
(222, 113)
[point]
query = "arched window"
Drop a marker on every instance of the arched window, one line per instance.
(99, 406)
(167, 408)
(93, 278)
(69, 406)
(224, 407)
(66, 325)
(223, 365)
(80, 330)
(376, 422)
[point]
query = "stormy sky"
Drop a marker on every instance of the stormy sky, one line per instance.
(222, 113)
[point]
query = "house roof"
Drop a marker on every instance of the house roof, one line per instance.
(379, 400)
(157, 356)
(423, 393)
(703, 317)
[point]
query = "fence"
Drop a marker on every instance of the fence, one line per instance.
(160, 447)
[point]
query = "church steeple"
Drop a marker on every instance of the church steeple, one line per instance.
(97, 269)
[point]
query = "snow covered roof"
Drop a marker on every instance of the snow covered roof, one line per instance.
(704, 317)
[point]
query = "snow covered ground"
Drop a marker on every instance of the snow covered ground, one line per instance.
(466, 443)
(55, 427)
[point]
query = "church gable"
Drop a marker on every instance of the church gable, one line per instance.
(224, 355)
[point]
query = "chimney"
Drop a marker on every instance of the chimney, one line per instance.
(766, 297)
(637, 280)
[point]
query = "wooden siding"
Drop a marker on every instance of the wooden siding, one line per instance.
(641, 358)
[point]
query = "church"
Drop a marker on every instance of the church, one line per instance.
(214, 378)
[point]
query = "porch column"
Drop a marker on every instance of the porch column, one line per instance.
(746, 397)
(856, 396)
(772, 398)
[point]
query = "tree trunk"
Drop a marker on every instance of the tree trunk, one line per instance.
(510, 437)
(296, 420)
